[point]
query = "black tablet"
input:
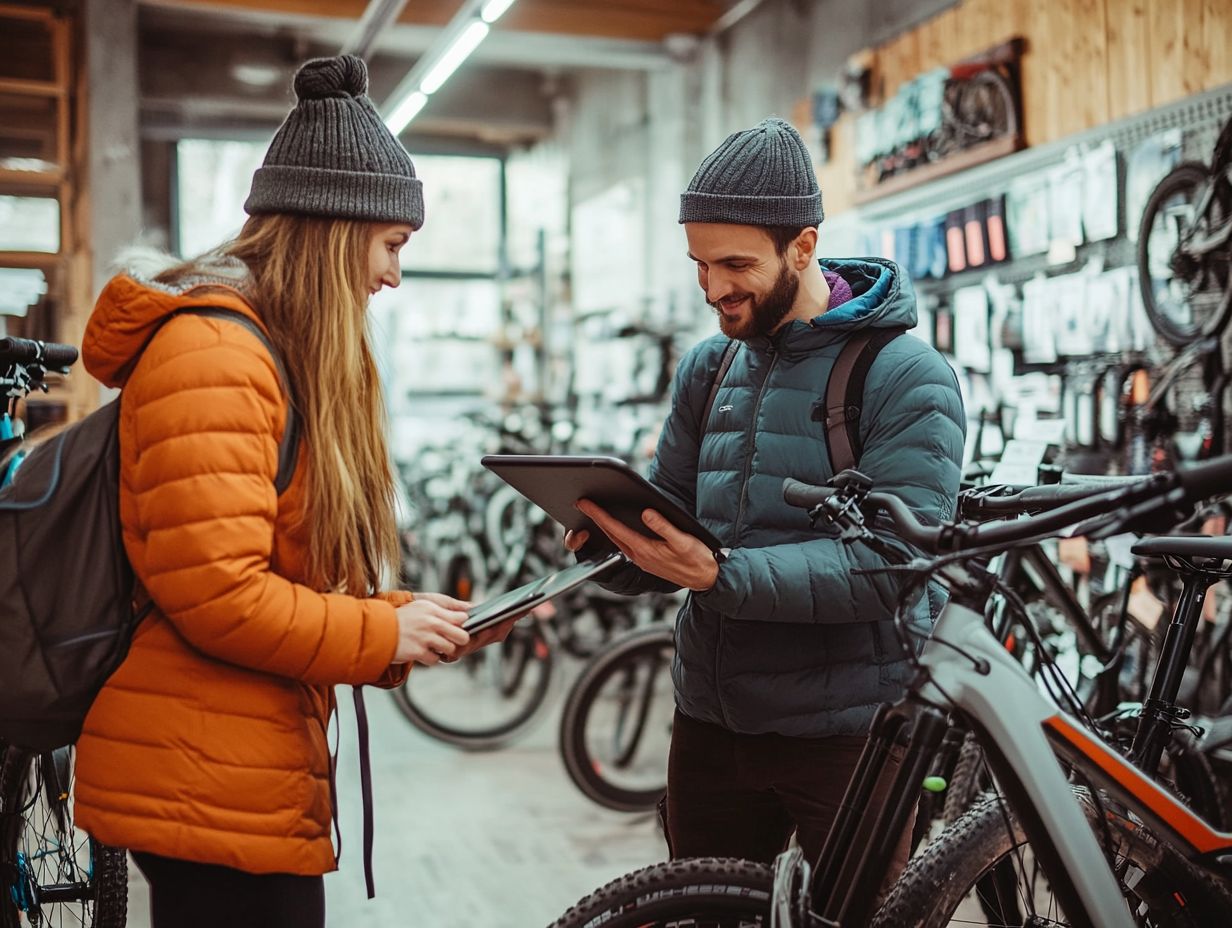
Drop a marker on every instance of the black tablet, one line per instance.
(555, 483)
(524, 598)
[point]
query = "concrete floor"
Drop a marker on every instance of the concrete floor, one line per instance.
(500, 839)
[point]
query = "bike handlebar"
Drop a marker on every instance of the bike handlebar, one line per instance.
(50, 355)
(978, 505)
(1135, 501)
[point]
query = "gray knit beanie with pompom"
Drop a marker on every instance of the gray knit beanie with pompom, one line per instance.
(761, 176)
(333, 155)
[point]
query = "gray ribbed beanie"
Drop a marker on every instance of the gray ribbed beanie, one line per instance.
(334, 157)
(759, 177)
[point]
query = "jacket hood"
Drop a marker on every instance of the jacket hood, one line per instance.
(882, 297)
(132, 306)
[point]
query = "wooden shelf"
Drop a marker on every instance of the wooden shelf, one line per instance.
(32, 88)
(31, 183)
(978, 154)
(29, 259)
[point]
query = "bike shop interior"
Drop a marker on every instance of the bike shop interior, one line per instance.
(1053, 178)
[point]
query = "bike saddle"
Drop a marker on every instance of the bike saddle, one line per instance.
(1190, 553)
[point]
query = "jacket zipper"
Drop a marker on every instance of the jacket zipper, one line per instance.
(748, 464)
(744, 495)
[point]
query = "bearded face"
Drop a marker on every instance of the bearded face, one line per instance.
(749, 315)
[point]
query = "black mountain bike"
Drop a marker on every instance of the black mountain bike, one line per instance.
(1093, 841)
(51, 872)
(1185, 247)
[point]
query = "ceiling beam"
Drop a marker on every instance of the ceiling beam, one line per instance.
(378, 16)
(645, 20)
(504, 47)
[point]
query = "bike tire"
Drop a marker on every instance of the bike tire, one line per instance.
(623, 654)
(1185, 176)
(105, 902)
(967, 781)
(705, 891)
(539, 658)
(928, 894)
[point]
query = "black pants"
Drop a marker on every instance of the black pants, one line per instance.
(731, 795)
(184, 894)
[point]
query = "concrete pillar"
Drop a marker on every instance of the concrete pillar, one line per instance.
(113, 152)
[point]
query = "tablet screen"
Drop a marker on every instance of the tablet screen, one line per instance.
(499, 608)
(556, 482)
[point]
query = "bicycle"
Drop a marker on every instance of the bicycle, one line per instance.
(1185, 247)
(51, 872)
(965, 678)
(617, 721)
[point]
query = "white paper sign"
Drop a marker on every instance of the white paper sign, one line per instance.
(1020, 462)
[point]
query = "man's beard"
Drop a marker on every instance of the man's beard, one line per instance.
(765, 313)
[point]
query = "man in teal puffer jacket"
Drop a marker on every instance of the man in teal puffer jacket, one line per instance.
(783, 652)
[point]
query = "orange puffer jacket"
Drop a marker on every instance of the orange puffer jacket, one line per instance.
(209, 742)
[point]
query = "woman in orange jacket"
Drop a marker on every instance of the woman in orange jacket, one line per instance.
(206, 752)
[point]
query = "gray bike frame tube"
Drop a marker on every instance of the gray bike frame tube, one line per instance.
(1007, 704)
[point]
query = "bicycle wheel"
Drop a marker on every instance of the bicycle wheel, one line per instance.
(1186, 295)
(486, 699)
(981, 872)
(616, 726)
(51, 872)
(704, 892)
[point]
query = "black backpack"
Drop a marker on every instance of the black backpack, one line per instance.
(67, 597)
(844, 396)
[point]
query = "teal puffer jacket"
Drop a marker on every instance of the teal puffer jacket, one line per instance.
(790, 639)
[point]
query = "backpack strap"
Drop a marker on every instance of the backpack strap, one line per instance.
(845, 395)
(729, 354)
(288, 448)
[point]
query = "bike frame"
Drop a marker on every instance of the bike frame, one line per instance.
(967, 672)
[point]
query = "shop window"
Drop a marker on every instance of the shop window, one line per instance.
(29, 224)
(462, 204)
(213, 178)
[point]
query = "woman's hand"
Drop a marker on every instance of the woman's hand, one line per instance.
(488, 636)
(429, 629)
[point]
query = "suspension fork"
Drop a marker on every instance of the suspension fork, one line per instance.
(860, 846)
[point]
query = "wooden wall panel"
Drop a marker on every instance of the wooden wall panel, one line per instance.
(932, 45)
(1087, 62)
(980, 26)
(1167, 26)
(1129, 54)
(1217, 39)
(1089, 87)
(1195, 61)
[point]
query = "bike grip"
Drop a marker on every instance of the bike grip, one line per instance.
(15, 350)
(18, 350)
(56, 355)
(804, 495)
(1210, 478)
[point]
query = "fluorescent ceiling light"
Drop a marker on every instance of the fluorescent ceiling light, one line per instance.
(493, 9)
(466, 42)
(405, 111)
(437, 65)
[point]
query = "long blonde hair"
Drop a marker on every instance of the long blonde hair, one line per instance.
(308, 282)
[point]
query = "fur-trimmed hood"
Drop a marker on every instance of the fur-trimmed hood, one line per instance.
(132, 306)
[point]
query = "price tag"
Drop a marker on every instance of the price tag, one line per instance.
(1020, 462)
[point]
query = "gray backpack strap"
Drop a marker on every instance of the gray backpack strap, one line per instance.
(845, 395)
(288, 448)
(729, 354)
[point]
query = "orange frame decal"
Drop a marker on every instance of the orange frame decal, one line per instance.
(1197, 833)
